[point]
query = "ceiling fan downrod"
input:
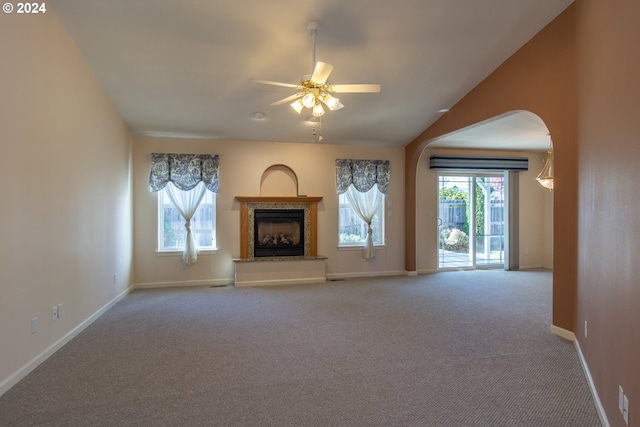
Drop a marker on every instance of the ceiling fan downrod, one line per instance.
(313, 27)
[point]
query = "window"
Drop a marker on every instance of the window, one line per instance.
(353, 230)
(171, 231)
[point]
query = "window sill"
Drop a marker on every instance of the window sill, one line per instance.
(357, 247)
(179, 252)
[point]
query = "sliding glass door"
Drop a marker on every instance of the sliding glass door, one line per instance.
(490, 220)
(471, 220)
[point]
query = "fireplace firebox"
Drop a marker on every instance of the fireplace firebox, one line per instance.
(278, 232)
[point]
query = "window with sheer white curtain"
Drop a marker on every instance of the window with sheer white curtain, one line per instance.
(353, 229)
(361, 186)
(171, 230)
(183, 181)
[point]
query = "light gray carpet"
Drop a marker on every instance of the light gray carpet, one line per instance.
(447, 349)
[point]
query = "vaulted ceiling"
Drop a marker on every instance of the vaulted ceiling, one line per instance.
(184, 68)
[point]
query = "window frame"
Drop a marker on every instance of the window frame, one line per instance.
(381, 224)
(164, 201)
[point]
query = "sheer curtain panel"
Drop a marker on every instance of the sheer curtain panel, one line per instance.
(187, 202)
(365, 205)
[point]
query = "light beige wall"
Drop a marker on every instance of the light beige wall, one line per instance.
(535, 215)
(66, 220)
(242, 165)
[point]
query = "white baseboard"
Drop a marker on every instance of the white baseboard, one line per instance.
(35, 362)
(278, 282)
(568, 335)
(185, 283)
(563, 333)
(596, 399)
(357, 275)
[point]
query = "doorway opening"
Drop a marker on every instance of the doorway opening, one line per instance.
(472, 224)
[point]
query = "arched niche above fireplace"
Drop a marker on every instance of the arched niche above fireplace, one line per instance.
(279, 180)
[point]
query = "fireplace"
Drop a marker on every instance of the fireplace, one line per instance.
(278, 232)
(279, 241)
(264, 218)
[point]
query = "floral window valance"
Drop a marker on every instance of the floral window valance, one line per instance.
(363, 174)
(184, 170)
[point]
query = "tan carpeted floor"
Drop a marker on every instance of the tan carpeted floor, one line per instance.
(448, 349)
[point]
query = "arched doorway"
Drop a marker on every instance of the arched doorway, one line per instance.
(514, 134)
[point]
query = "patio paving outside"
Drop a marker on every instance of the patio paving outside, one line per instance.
(450, 259)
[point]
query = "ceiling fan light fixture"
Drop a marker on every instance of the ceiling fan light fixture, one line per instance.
(330, 101)
(315, 89)
(309, 100)
(297, 105)
(318, 110)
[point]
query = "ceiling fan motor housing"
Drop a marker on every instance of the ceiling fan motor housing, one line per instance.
(313, 27)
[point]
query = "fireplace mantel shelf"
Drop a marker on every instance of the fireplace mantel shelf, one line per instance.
(278, 199)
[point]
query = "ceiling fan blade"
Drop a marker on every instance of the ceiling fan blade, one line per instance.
(321, 73)
(270, 82)
(356, 88)
(288, 98)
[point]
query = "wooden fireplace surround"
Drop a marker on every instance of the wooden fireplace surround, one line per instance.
(245, 201)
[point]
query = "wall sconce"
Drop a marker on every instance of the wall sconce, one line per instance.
(545, 177)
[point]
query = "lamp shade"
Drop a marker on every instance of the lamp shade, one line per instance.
(297, 105)
(330, 101)
(318, 110)
(309, 100)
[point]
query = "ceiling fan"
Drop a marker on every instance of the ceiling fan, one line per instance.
(314, 89)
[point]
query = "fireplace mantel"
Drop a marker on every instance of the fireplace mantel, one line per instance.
(246, 201)
(278, 199)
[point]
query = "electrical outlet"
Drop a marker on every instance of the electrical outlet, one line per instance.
(623, 404)
(59, 311)
(34, 325)
(621, 399)
(586, 329)
(625, 409)
(54, 313)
